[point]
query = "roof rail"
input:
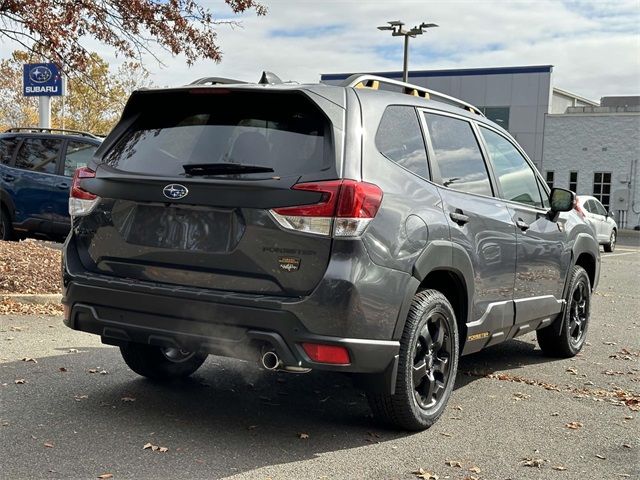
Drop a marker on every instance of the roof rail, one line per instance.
(216, 81)
(51, 130)
(373, 81)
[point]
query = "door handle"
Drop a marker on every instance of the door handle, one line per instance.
(8, 178)
(522, 225)
(459, 217)
(63, 186)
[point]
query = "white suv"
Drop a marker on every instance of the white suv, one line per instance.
(605, 227)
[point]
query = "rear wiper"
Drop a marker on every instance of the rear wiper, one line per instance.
(223, 168)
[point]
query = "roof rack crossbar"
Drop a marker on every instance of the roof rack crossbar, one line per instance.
(216, 81)
(373, 81)
(51, 130)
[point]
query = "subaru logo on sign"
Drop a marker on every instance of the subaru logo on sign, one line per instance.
(175, 191)
(40, 74)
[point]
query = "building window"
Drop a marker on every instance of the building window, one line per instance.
(602, 187)
(550, 178)
(573, 181)
(500, 115)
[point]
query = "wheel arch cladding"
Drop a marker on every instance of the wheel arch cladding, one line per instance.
(585, 251)
(445, 267)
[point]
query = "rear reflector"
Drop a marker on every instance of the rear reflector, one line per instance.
(345, 208)
(322, 353)
(81, 202)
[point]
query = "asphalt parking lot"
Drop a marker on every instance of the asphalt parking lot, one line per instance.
(70, 408)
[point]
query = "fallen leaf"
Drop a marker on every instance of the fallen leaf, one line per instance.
(572, 370)
(445, 434)
(555, 414)
(609, 343)
(29, 359)
(147, 445)
(303, 436)
(626, 445)
(453, 463)
(93, 370)
(79, 398)
(163, 449)
(560, 468)
(457, 407)
(574, 425)
(105, 476)
(520, 396)
(48, 445)
(128, 399)
(73, 350)
(601, 457)
(532, 462)
(20, 381)
(154, 448)
(424, 475)
(475, 469)
(62, 369)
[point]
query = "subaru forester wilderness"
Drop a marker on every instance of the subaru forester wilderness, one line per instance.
(375, 228)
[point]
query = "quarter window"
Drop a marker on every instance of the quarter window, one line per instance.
(516, 177)
(602, 187)
(399, 138)
(39, 154)
(78, 155)
(7, 147)
(457, 162)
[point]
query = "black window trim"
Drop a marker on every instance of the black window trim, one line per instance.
(424, 136)
(535, 171)
(64, 152)
(435, 178)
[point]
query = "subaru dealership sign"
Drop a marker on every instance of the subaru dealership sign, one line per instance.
(42, 79)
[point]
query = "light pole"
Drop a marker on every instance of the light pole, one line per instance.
(397, 31)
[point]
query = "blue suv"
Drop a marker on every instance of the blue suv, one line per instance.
(36, 166)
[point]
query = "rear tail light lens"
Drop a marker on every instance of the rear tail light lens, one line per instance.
(345, 209)
(81, 202)
(578, 208)
(321, 353)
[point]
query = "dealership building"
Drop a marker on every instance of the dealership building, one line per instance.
(588, 146)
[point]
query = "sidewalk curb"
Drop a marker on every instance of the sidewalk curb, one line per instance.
(41, 299)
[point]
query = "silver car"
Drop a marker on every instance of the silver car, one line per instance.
(605, 227)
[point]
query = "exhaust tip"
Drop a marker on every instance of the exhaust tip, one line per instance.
(270, 361)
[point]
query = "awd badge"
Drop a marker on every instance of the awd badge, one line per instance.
(290, 264)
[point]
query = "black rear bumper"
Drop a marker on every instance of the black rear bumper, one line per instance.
(230, 327)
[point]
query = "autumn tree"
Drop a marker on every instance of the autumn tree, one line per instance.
(92, 106)
(56, 29)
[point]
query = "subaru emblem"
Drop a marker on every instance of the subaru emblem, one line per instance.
(40, 74)
(175, 191)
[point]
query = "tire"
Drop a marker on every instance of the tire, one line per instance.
(610, 247)
(569, 340)
(6, 229)
(161, 364)
(431, 322)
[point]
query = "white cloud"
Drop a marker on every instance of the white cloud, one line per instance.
(594, 46)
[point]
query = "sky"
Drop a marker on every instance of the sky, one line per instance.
(593, 45)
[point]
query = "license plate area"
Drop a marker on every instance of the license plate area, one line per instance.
(192, 228)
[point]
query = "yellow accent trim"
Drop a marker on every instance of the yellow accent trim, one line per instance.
(478, 336)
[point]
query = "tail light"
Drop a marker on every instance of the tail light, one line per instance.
(81, 202)
(578, 208)
(345, 208)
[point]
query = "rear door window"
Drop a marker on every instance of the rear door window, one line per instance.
(39, 155)
(399, 138)
(285, 133)
(7, 148)
(78, 155)
(515, 176)
(457, 162)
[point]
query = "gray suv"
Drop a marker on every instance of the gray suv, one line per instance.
(375, 228)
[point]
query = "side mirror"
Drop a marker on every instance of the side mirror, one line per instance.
(562, 200)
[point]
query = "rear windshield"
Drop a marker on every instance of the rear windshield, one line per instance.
(284, 132)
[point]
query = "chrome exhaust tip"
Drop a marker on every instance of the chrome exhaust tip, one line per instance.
(271, 361)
